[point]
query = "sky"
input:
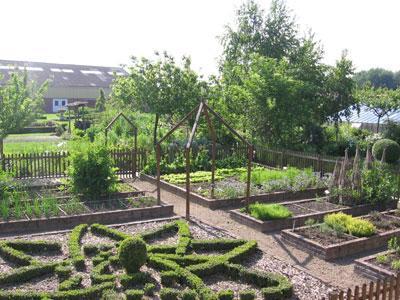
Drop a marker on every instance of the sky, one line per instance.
(108, 33)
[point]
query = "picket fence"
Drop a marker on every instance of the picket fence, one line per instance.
(387, 289)
(55, 164)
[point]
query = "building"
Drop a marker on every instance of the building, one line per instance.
(67, 83)
(366, 119)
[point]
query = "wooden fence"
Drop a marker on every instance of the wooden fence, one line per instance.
(388, 289)
(55, 164)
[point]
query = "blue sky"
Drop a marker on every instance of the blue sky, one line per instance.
(107, 33)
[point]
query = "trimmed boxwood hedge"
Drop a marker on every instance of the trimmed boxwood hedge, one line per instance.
(177, 264)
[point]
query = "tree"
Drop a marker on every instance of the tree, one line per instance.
(380, 101)
(20, 101)
(377, 77)
(162, 87)
(101, 101)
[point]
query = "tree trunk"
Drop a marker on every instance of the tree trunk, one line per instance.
(155, 129)
(377, 127)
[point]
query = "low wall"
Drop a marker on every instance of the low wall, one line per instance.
(68, 222)
(235, 202)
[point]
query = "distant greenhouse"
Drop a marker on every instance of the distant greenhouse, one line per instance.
(366, 119)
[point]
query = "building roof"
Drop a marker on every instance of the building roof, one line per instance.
(367, 116)
(62, 75)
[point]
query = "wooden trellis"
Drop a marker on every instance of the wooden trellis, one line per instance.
(135, 131)
(205, 109)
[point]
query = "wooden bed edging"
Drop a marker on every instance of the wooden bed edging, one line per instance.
(235, 202)
(338, 250)
(372, 271)
(68, 222)
(299, 220)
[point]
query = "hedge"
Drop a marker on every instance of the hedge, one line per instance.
(73, 282)
(15, 256)
(74, 246)
(108, 232)
(34, 246)
(27, 273)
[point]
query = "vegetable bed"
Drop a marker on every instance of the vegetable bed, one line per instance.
(340, 236)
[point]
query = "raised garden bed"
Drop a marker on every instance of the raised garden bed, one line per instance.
(328, 245)
(370, 268)
(85, 263)
(271, 197)
(302, 211)
(54, 208)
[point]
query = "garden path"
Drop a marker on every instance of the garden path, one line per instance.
(339, 273)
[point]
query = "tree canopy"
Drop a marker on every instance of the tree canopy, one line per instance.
(378, 77)
(20, 101)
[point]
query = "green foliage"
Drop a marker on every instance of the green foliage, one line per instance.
(101, 102)
(169, 278)
(132, 254)
(267, 212)
(74, 246)
(10, 254)
(247, 295)
(109, 232)
(225, 295)
(392, 131)
(382, 259)
(134, 294)
(91, 171)
(345, 223)
(63, 272)
(391, 148)
(21, 100)
(27, 273)
(395, 265)
(189, 295)
(149, 289)
(377, 77)
(379, 184)
(394, 244)
(72, 283)
(169, 294)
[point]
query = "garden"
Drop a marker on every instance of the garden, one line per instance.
(166, 260)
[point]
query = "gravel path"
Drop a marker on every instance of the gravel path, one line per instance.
(339, 273)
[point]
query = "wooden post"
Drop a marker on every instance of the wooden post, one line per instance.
(158, 157)
(249, 161)
(213, 150)
(187, 154)
(135, 156)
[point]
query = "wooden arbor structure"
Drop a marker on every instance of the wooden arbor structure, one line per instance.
(203, 108)
(135, 131)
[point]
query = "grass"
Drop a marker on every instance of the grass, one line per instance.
(267, 212)
(31, 147)
(261, 175)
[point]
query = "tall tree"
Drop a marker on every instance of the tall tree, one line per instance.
(377, 77)
(163, 87)
(20, 101)
(380, 101)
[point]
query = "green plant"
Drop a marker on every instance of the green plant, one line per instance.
(391, 148)
(109, 232)
(74, 245)
(72, 283)
(49, 206)
(247, 295)
(382, 259)
(394, 244)
(149, 289)
(395, 264)
(225, 295)
(345, 223)
(5, 209)
(36, 208)
(134, 294)
(132, 254)
(310, 222)
(91, 171)
(169, 294)
(189, 295)
(265, 212)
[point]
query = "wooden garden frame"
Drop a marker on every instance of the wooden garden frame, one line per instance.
(135, 130)
(205, 109)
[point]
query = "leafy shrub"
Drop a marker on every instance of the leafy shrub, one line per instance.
(225, 295)
(189, 295)
(396, 264)
(74, 245)
(149, 289)
(134, 294)
(247, 295)
(169, 278)
(392, 148)
(392, 131)
(91, 172)
(379, 184)
(382, 259)
(265, 212)
(132, 254)
(169, 294)
(345, 223)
